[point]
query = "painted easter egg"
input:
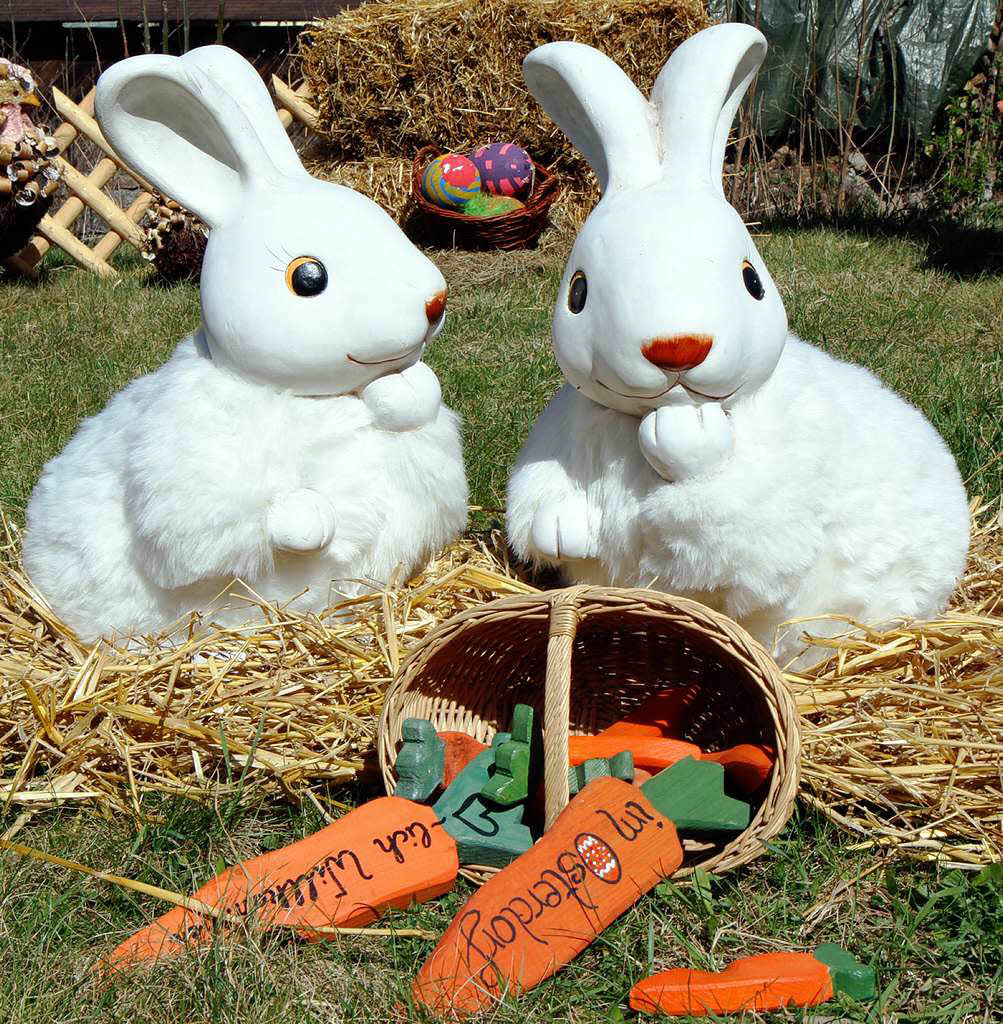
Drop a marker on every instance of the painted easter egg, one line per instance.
(450, 180)
(598, 856)
(505, 168)
(491, 206)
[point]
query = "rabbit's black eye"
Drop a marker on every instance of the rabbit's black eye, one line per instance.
(752, 283)
(577, 292)
(306, 276)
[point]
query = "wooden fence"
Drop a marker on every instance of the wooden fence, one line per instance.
(88, 190)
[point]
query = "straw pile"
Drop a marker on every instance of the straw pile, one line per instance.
(903, 728)
(391, 77)
(289, 704)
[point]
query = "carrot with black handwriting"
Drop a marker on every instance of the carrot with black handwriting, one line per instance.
(387, 853)
(612, 843)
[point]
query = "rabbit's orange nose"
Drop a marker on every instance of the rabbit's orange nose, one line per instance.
(435, 307)
(678, 352)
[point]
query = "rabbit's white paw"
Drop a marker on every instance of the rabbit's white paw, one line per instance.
(686, 440)
(405, 400)
(561, 529)
(300, 520)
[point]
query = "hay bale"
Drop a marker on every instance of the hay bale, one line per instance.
(390, 77)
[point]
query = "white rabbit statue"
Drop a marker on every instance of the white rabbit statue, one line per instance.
(698, 447)
(295, 441)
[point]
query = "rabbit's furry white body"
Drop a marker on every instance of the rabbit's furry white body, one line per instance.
(296, 441)
(698, 446)
(147, 514)
(838, 496)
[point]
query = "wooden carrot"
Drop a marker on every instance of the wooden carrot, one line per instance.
(434, 759)
(767, 981)
(649, 752)
(519, 762)
(387, 853)
(653, 753)
(620, 767)
(663, 714)
(613, 842)
(485, 832)
(747, 765)
(607, 847)
(461, 749)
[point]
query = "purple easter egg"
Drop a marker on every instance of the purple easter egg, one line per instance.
(506, 169)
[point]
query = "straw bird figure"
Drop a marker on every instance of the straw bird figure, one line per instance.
(175, 240)
(28, 159)
(17, 91)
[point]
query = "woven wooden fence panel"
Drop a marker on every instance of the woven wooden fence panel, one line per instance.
(87, 190)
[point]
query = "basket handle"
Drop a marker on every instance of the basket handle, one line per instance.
(557, 699)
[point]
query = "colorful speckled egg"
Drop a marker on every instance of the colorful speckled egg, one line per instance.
(505, 168)
(450, 180)
(491, 206)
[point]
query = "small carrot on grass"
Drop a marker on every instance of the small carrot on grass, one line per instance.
(766, 981)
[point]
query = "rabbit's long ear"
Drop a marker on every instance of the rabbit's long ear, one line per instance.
(697, 95)
(600, 110)
(240, 81)
(183, 130)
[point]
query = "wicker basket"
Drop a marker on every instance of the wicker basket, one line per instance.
(517, 230)
(601, 652)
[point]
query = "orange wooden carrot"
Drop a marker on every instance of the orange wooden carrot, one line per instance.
(606, 848)
(649, 752)
(748, 765)
(388, 853)
(767, 981)
(461, 749)
(663, 714)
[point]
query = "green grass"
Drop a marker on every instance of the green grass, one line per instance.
(935, 935)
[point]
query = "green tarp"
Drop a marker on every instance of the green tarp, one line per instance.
(912, 56)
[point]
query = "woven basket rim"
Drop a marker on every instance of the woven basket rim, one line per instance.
(546, 190)
(761, 672)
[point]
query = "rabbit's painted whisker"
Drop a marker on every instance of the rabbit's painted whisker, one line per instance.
(646, 398)
(713, 398)
(390, 359)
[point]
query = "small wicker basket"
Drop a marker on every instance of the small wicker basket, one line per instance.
(599, 652)
(517, 230)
